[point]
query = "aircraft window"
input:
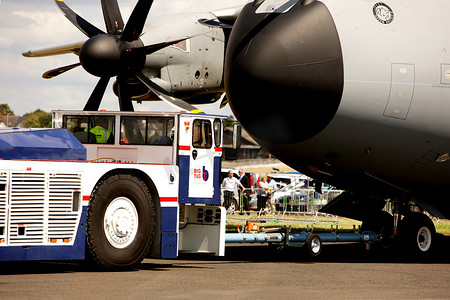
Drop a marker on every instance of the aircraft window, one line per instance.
(147, 131)
(217, 132)
(91, 129)
(202, 134)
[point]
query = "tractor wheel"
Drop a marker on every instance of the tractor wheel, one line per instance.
(120, 222)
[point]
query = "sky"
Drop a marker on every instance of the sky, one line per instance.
(37, 24)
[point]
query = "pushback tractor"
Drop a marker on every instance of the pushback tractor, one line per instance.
(114, 186)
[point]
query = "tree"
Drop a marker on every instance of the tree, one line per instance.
(229, 122)
(38, 119)
(6, 110)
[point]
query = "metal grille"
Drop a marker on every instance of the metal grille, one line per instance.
(27, 208)
(44, 207)
(3, 203)
(62, 219)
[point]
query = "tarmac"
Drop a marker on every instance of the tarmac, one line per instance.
(245, 272)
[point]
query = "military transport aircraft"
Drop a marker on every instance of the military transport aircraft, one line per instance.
(354, 93)
(167, 58)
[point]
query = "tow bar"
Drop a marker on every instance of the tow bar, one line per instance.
(312, 241)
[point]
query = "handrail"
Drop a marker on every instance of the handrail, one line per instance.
(296, 200)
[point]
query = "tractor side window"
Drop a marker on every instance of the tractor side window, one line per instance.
(75, 124)
(91, 129)
(146, 131)
(217, 132)
(103, 129)
(78, 126)
(202, 134)
(133, 130)
(160, 131)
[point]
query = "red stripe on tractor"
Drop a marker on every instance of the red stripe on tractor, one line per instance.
(86, 198)
(169, 199)
(218, 149)
(184, 148)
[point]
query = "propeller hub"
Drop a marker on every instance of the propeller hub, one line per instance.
(100, 55)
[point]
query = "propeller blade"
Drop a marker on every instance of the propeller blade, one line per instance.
(166, 96)
(58, 50)
(58, 71)
(125, 103)
(113, 17)
(96, 97)
(83, 25)
(215, 24)
(155, 47)
(224, 102)
(137, 20)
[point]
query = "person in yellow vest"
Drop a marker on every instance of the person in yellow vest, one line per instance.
(102, 134)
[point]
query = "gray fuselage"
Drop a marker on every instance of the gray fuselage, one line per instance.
(353, 94)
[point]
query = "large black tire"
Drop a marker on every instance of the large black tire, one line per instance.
(313, 245)
(417, 234)
(382, 223)
(120, 222)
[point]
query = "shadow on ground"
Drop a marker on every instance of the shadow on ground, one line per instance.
(250, 253)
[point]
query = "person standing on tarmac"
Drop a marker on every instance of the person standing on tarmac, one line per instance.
(229, 184)
(245, 193)
(262, 193)
(272, 188)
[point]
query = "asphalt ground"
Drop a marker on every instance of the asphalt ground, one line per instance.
(344, 271)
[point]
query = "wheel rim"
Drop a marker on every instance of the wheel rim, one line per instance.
(424, 238)
(315, 245)
(121, 222)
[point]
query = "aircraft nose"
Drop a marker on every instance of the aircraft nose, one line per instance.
(284, 70)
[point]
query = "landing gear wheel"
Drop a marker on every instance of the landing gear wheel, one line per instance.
(418, 233)
(120, 222)
(313, 245)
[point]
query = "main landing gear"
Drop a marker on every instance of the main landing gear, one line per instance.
(414, 234)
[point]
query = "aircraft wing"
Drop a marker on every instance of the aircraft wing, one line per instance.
(228, 15)
(57, 50)
(224, 17)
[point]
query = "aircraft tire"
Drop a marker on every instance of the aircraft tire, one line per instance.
(313, 245)
(417, 234)
(120, 222)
